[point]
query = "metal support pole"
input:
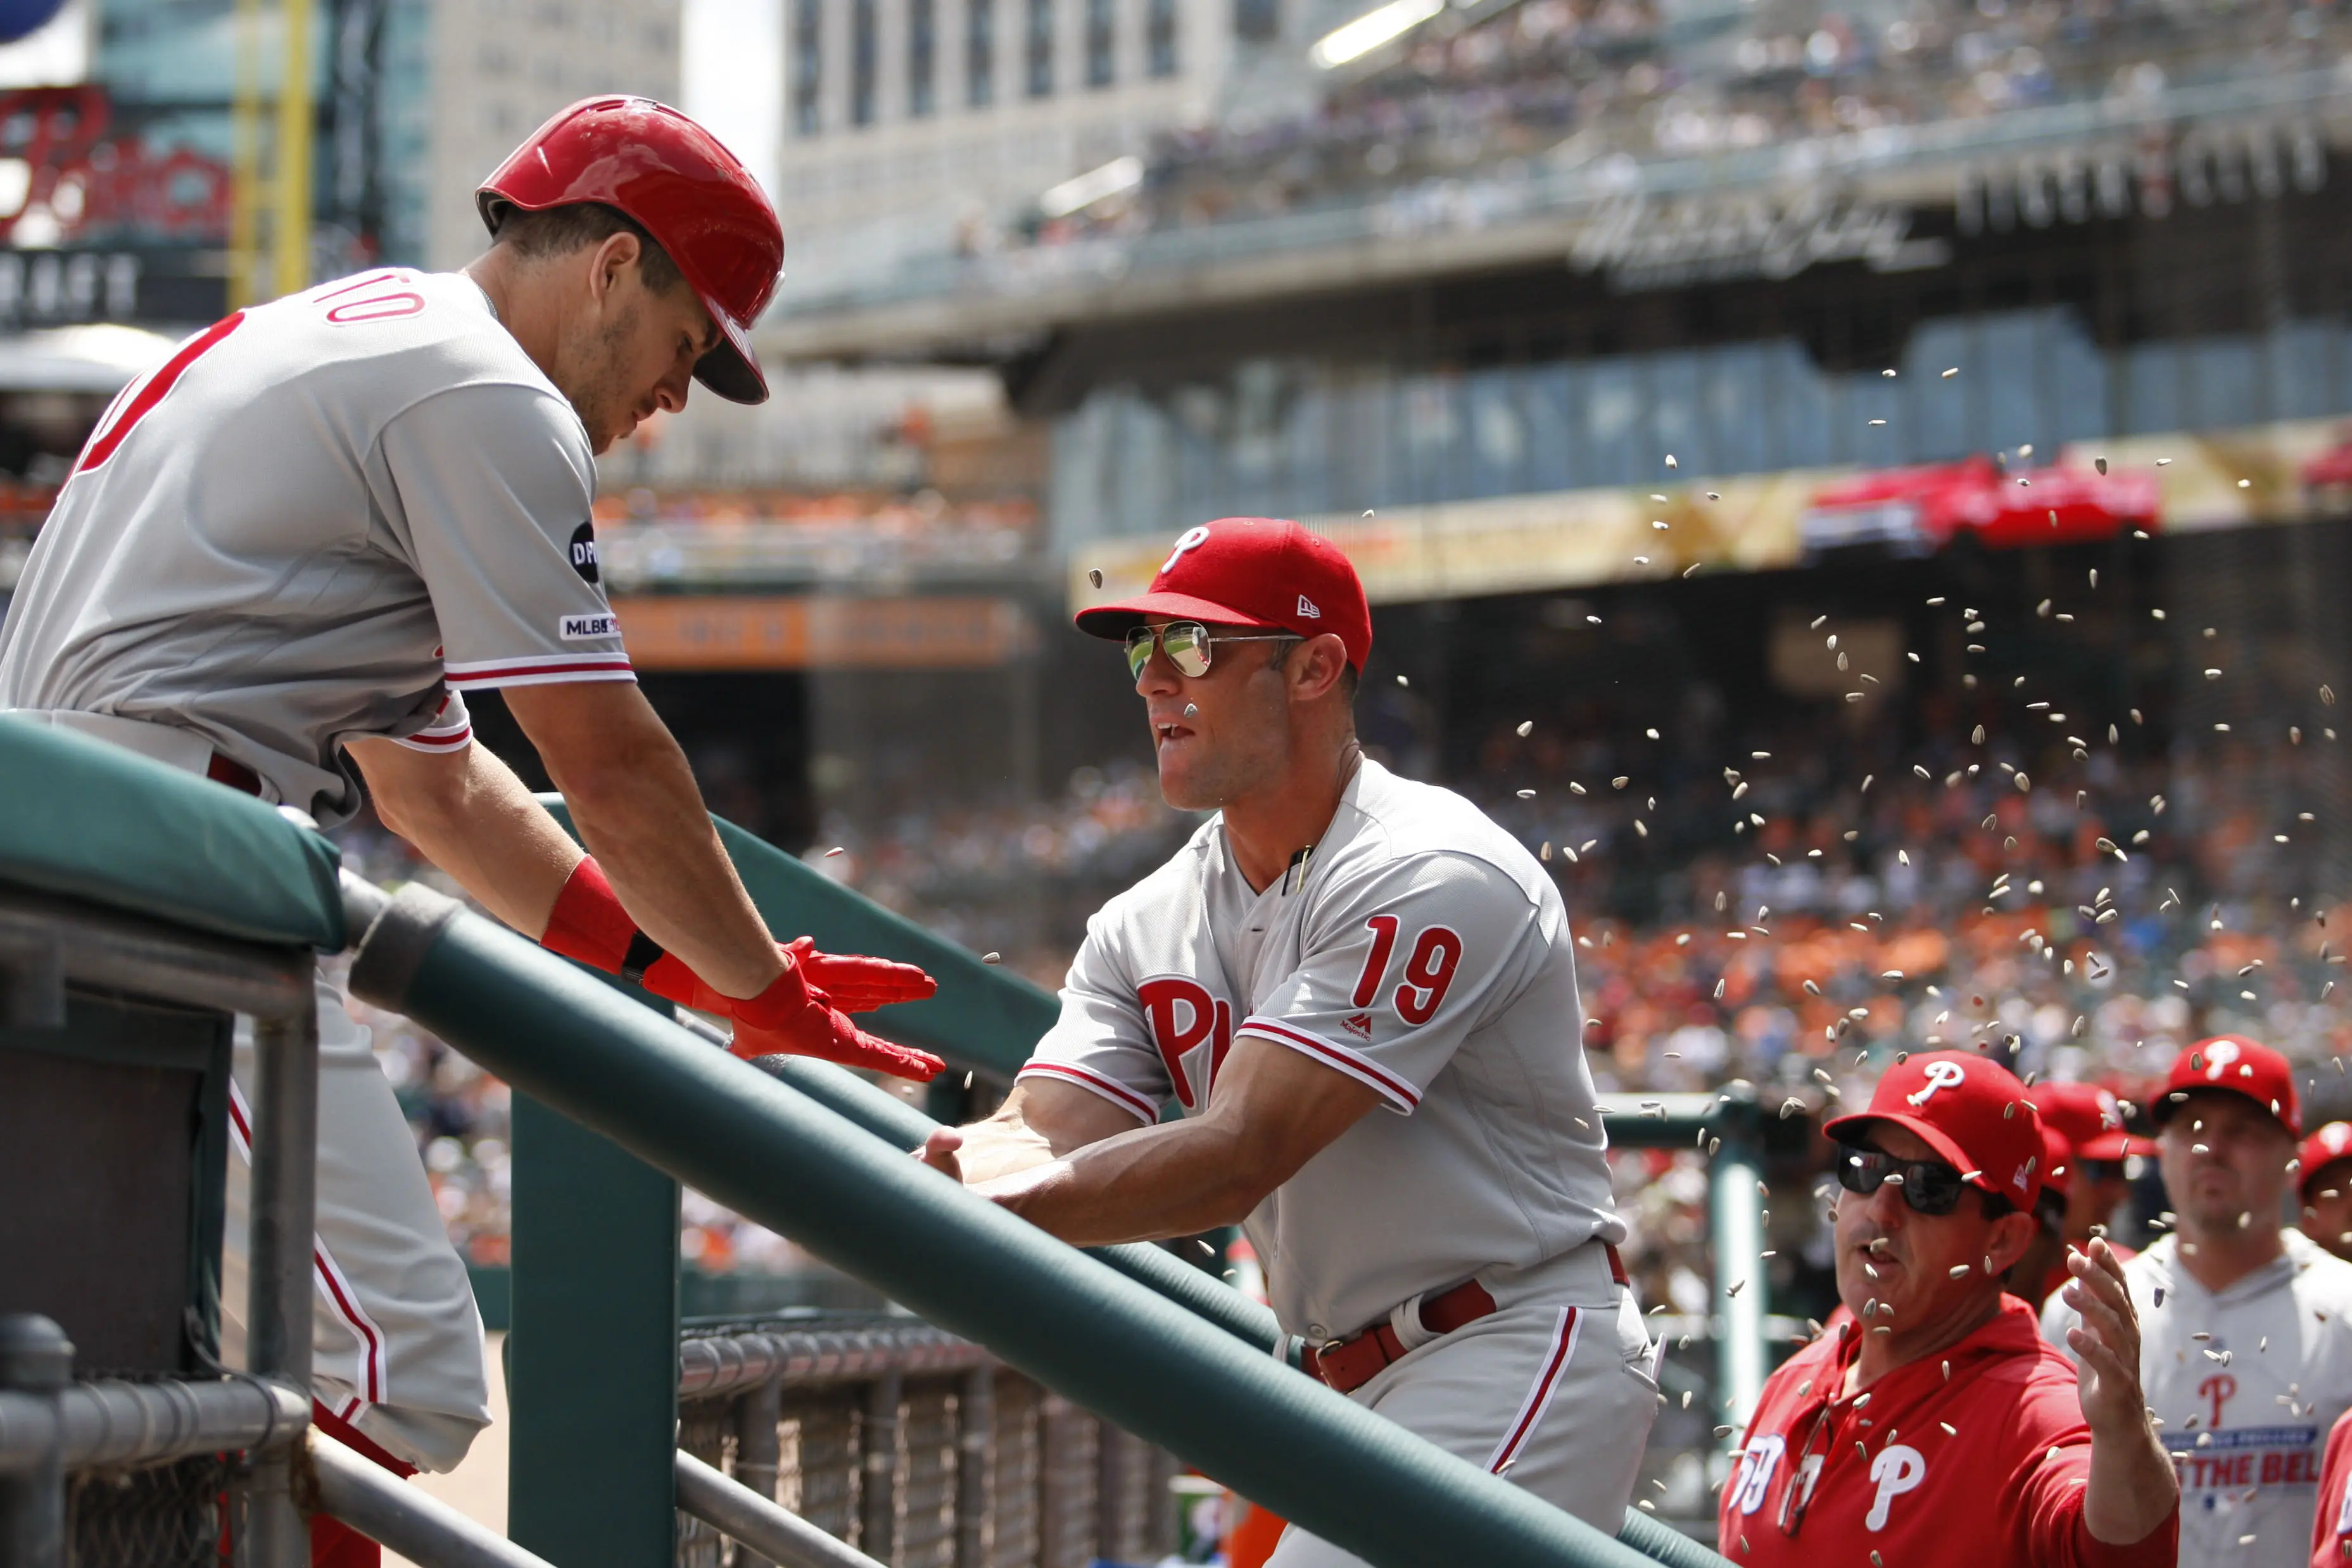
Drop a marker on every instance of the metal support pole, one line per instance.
(1736, 1224)
(975, 1464)
(277, 1334)
(877, 1451)
(751, 1520)
(412, 1522)
(758, 1452)
(35, 1358)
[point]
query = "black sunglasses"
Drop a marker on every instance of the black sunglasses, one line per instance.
(1930, 1186)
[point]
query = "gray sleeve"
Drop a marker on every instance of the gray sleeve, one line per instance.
(491, 485)
(1101, 1042)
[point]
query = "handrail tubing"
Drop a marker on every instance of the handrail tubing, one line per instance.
(751, 1142)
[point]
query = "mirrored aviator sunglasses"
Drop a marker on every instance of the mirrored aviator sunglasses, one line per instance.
(1930, 1186)
(1187, 646)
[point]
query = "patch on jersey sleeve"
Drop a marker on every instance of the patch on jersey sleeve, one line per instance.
(583, 552)
(588, 628)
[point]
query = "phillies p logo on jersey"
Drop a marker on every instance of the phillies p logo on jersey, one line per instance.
(1898, 1468)
(1183, 1017)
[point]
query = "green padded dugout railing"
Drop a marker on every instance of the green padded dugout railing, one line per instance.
(1096, 1337)
(94, 822)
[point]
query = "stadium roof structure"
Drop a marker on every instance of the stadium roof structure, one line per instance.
(1680, 219)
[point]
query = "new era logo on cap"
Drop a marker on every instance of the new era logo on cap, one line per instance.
(1257, 571)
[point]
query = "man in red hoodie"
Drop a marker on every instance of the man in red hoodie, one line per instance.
(1936, 1426)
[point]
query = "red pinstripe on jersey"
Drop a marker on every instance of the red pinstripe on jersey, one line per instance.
(1561, 1351)
(332, 1284)
(1398, 1092)
(1110, 1089)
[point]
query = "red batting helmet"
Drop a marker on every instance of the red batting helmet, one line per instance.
(676, 182)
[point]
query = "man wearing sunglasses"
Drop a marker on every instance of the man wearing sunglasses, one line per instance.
(1362, 995)
(1935, 1427)
(2248, 1353)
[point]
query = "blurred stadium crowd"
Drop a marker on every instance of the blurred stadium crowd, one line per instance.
(1479, 100)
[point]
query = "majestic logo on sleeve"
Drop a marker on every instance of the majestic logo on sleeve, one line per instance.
(584, 552)
(1184, 1018)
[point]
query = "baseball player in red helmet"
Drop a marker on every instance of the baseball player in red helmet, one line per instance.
(1362, 995)
(2247, 1352)
(288, 553)
(2323, 1175)
(1933, 1427)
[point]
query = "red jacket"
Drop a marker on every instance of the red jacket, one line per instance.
(2331, 1529)
(1878, 1480)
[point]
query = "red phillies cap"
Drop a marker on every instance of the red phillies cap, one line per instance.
(2322, 1148)
(2090, 1117)
(1250, 571)
(2239, 1064)
(2057, 1162)
(1971, 1112)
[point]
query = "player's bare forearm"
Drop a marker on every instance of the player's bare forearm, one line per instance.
(1272, 1111)
(2132, 1488)
(639, 812)
(1040, 1120)
(467, 814)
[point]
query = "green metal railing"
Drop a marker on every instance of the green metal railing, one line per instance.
(767, 1151)
(623, 1103)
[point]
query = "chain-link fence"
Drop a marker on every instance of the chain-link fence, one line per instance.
(914, 1446)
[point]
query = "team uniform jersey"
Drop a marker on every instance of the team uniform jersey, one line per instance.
(1421, 951)
(2331, 1532)
(324, 518)
(1921, 1469)
(2245, 1411)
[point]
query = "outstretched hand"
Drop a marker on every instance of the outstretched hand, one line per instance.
(854, 982)
(2105, 1342)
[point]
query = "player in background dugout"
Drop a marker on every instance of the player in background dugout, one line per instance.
(1934, 1427)
(1362, 994)
(2245, 1350)
(2324, 1174)
(286, 554)
(2090, 1122)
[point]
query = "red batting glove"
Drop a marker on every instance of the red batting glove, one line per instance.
(856, 983)
(792, 1018)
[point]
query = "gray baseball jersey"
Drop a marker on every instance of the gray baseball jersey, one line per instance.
(1423, 952)
(324, 518)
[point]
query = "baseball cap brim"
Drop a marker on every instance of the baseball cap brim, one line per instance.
(2114, 1146)
(731, 370)
(1853, 1129)
(1115, 621)
(2309, 1179)
(2173, 1099)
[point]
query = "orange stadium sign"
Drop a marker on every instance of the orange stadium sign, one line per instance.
(708, 632)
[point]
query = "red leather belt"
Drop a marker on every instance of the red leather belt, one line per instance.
(227, 770)
(1347, 1364)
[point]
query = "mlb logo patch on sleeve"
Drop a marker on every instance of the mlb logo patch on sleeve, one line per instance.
(583, 629)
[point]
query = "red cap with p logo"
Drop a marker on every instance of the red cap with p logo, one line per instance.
(2235, 1065)
(1260, 571)
(1972, 1113)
